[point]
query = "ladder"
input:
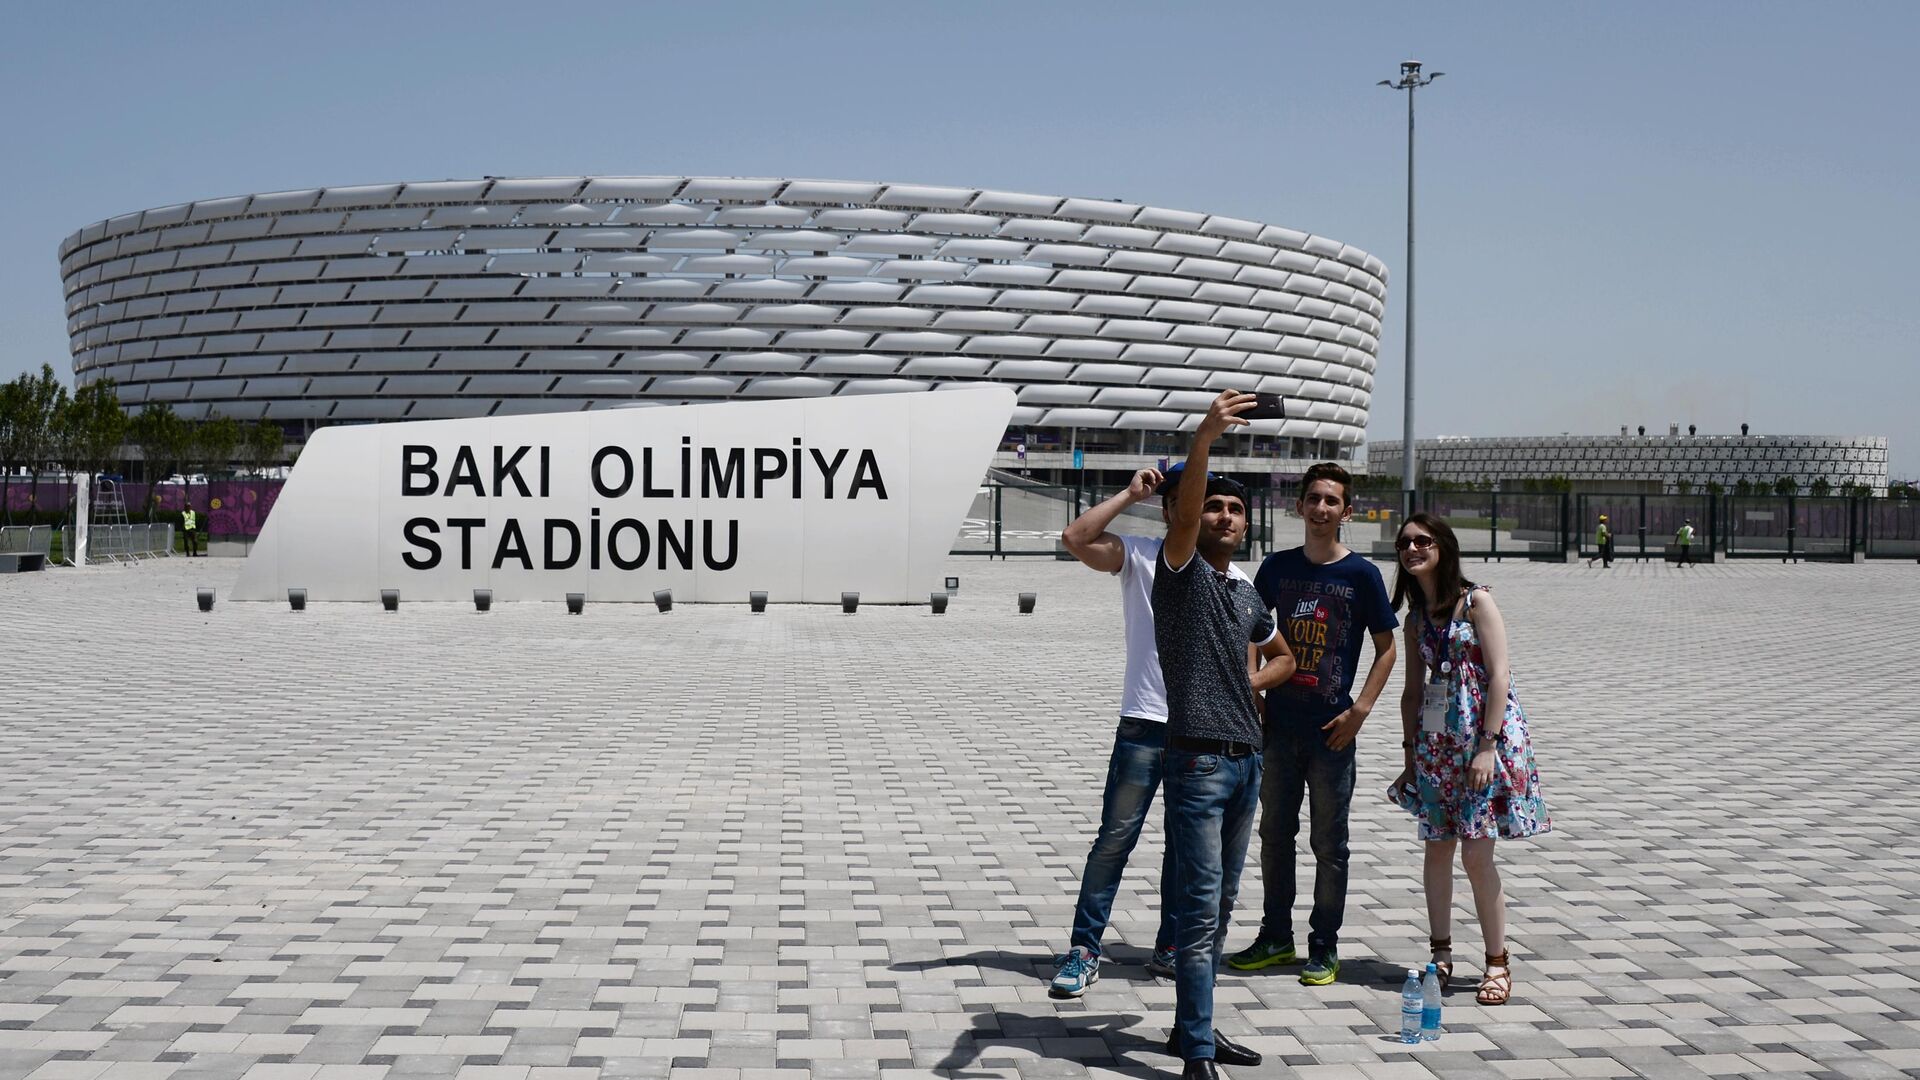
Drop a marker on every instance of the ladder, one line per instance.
(109, 509)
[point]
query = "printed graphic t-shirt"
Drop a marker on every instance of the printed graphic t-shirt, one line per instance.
(1324, 612)
(1145, 696)
(1203, 621)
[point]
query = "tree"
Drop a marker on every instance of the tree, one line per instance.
(263, 445)
(1820, 486)
(162, 438)
(1715, 488)
(1684, 487)
(1786, 485)
(45, 398)
(1743, 487)
(13, 438)
(91, 428)
(215, 440)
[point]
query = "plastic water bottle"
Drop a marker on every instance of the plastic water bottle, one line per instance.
(1412, 1007)
(1429, 1004)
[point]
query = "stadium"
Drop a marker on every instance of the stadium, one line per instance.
(1116, 323)
(1673, 463)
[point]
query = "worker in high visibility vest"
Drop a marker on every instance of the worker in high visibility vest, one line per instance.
(189, 525)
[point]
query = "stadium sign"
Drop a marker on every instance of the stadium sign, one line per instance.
(803, 499)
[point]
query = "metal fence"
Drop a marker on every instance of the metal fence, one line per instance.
(26, 540)
(1890, 529)
(1497, 525)
(1644, 526)
(122, 543)
(1016, 519)
(1013, 518)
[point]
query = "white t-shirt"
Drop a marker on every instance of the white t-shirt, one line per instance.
(1145, 696)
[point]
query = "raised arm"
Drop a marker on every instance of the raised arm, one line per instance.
(1088, 539)
(1183, 528)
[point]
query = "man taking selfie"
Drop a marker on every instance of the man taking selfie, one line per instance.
(1204, 618)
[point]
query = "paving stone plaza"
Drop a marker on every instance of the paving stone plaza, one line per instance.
(530, 846)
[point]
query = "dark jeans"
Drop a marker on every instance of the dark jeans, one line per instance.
(1133, 775)
(1300, 766)
(1210, 807)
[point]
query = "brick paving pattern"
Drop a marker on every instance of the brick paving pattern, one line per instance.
(350, 845)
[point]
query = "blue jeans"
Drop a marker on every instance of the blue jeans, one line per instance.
(1133, 775)
(1210, 806)
(1299, 766)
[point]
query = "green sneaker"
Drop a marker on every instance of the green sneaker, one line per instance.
(1321, 970)
(1264, 952)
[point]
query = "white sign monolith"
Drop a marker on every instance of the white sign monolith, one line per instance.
(804, 499)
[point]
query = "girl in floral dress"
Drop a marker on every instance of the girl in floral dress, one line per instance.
(1470, 776)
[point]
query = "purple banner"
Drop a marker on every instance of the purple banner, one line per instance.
(228, 507)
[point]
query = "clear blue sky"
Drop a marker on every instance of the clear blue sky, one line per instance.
(1629, 213)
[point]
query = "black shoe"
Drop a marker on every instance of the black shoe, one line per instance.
(1200, 1069)
(1225, 1051)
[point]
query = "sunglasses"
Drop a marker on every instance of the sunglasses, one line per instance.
(1418, 543)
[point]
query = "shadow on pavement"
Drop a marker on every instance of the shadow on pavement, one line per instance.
(1119, 1044)
(1121, 962)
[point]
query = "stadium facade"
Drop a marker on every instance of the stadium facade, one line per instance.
(1667, 463)
(1116, 323)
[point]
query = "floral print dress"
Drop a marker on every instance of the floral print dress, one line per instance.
(1512, 806)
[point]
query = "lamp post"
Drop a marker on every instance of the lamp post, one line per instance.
(1410, 80)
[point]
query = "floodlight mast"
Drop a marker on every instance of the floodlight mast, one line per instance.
(1410, 80)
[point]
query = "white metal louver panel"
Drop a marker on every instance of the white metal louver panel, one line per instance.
(789, 386)
(883, 386)
(1056, 394)
(854, 364)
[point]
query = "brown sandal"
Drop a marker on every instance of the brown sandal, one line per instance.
(1443, 967)
(1496, 989)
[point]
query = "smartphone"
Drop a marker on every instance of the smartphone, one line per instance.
(1267, 407)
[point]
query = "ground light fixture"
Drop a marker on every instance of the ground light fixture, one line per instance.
(849, 602)
(1027, 600)
(953, 585)
(663, 599)
(297, 599)
(757, 600)
(939, 602)
(576, 603)
(390, 599)
(204, 597)
(482, 599)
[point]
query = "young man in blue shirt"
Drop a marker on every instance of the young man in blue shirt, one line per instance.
(1325, 599)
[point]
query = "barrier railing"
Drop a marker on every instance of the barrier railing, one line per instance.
(122, 543)
(26, 540)
(1024, 518)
